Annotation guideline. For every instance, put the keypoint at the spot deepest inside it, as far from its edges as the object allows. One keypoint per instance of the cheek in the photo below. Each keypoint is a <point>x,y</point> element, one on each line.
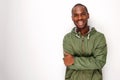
<point>74,19</point>
<point>87,17</point>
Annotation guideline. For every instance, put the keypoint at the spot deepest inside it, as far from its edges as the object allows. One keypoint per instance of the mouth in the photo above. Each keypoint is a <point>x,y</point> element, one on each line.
<point>80,23</point>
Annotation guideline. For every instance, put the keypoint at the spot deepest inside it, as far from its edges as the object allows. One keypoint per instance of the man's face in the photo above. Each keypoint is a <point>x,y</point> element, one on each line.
<point>80,16</point>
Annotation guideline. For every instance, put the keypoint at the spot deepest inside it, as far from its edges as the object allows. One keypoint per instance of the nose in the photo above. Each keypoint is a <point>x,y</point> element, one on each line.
<point>79,17</point>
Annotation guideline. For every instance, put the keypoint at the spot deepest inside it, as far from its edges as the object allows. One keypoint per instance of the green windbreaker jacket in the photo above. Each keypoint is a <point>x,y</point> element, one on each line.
<point>89,53</point>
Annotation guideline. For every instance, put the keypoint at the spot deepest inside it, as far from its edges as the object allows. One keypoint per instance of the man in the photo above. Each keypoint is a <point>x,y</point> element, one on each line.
<point>84,48</point>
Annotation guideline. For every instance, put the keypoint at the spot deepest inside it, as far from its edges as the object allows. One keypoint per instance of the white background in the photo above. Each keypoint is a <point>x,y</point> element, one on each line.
<point>32,31</point>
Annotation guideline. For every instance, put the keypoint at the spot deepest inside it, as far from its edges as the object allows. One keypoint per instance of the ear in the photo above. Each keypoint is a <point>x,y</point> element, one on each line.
<point>72,18</point>
<point>88,15</point>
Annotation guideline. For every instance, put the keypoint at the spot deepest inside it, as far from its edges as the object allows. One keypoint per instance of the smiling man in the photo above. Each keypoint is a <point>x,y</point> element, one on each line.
<point>85,49</point>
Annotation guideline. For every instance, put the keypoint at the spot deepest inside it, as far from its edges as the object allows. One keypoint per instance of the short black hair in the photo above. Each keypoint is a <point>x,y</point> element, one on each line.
<point>79,4</point>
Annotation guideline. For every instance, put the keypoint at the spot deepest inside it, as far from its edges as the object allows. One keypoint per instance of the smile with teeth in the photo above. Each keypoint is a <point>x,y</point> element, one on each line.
<point>80,22</point>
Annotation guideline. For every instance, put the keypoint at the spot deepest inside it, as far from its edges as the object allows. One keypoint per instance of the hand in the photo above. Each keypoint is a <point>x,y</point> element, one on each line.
<point>68,59</point>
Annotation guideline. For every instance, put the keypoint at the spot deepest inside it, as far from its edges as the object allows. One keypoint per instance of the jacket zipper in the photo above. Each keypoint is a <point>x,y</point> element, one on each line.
<point>82,44</point>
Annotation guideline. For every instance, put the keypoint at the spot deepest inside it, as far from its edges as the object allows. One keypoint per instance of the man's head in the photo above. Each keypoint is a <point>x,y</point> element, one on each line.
<point>80,15</point>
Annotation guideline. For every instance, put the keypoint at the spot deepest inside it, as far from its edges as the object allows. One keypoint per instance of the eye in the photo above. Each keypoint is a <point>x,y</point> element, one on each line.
<point>75,15</point>
<point>83,14</point>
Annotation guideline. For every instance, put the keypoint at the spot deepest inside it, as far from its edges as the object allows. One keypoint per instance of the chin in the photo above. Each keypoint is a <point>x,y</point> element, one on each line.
<point>80,27</point>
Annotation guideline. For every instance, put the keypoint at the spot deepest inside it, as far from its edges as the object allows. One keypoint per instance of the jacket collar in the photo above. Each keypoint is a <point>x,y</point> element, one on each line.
<point>88,34</point>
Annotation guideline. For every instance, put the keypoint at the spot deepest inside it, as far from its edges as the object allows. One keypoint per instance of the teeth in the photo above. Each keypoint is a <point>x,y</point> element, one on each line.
<point>80,22</point>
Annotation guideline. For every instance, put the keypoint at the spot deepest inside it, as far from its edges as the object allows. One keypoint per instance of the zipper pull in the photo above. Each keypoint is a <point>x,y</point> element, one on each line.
<point>82,38</point>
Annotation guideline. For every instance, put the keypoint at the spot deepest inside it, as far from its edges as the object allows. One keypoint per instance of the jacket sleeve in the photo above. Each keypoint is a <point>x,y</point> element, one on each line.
<point>97,61</point>
<point>67,47</point>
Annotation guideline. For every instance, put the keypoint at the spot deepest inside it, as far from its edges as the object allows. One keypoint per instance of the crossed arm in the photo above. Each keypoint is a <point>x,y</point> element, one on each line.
<point>97,61</point>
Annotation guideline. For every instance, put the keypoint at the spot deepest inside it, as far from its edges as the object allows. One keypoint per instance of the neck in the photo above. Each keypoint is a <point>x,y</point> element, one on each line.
<point>84,30</point>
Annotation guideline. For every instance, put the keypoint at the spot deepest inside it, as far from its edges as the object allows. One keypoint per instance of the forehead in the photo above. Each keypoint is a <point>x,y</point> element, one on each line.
<point>79,9</point>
